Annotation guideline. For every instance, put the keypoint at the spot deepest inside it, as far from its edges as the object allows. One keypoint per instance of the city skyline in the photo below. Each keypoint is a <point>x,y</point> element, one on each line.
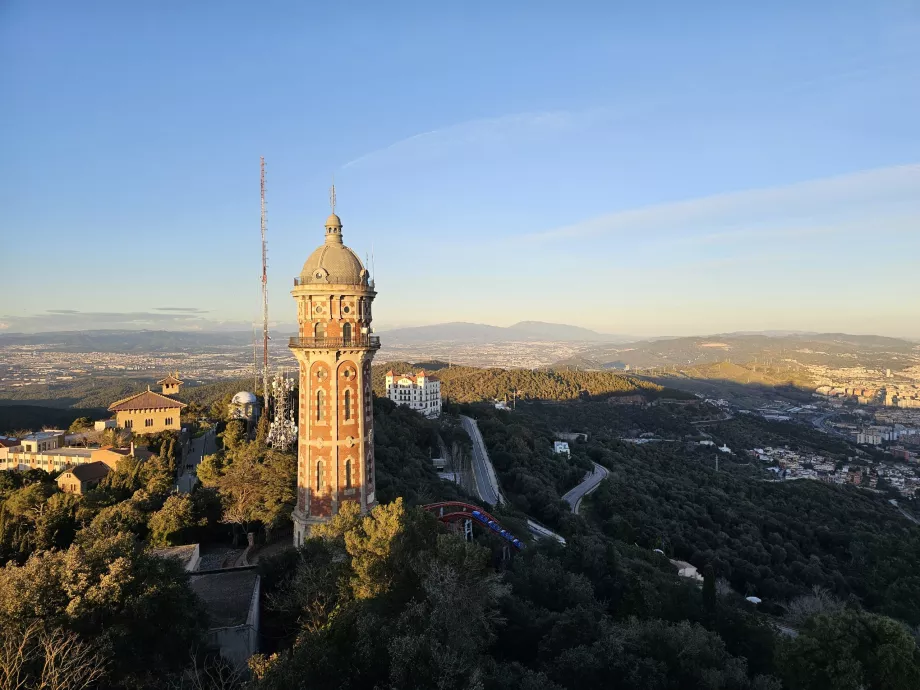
<point>631,179</point>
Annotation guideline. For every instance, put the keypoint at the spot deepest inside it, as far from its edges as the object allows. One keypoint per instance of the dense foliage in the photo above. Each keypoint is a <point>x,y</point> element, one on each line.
<point>470,384</point>
<point>392,600</point>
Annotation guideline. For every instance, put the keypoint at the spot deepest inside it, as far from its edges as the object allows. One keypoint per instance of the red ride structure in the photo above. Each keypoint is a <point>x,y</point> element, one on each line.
<point>467,514</point>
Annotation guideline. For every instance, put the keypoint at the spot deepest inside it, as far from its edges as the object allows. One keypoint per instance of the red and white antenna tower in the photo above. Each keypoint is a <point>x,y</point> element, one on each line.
<point>265,388</point>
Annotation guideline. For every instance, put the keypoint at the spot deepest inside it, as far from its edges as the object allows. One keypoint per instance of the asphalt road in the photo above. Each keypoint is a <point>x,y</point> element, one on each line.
<point>483,472</point>
<point>198,448</point>
<point>588,484</point>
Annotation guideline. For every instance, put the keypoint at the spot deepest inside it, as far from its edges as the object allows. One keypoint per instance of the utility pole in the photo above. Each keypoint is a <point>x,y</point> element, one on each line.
<point>264,291</point>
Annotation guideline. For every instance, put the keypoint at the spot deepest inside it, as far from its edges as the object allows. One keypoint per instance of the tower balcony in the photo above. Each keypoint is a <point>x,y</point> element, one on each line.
<point>365,342</point>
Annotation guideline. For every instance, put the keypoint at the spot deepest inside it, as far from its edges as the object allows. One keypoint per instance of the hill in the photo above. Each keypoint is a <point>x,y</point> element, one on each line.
<point>471,384</point>
<point>827,349</point>
<point>462,332</point>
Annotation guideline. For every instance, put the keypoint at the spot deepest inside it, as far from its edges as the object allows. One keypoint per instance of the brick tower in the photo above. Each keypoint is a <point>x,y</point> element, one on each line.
<point>335,446</point>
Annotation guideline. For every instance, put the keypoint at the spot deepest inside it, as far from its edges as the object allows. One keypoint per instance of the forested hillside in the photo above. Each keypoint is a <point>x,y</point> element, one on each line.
<point>393,600</point>
<point>471,384</point>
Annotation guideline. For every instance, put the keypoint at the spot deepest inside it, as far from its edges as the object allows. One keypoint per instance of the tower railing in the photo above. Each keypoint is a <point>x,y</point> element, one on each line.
<point>368,341</point>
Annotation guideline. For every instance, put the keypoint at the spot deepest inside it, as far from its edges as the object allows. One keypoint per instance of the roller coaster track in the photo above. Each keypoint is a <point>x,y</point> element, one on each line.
<point>455,511</point>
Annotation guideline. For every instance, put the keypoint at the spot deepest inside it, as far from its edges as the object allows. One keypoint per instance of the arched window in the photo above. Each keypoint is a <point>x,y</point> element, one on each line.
<point>319,406</point>
<point>319,330</point>
<point>348,473</point>
<point>319,475</point>
<point>347,405</point>
<point>346,333</point>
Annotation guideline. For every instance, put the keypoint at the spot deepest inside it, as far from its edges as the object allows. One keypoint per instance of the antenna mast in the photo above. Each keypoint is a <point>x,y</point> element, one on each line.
<point>265,389</point>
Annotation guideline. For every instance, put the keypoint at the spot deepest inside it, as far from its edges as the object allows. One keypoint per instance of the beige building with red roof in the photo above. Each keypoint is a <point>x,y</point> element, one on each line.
<point>150,412</point>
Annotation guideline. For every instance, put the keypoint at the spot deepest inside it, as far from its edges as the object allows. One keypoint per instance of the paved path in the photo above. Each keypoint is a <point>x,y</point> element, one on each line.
<point>198,448</point>
<point>910,517</point>
<point>591,481</point>
<point>487,487</point>
<point>483,472</point>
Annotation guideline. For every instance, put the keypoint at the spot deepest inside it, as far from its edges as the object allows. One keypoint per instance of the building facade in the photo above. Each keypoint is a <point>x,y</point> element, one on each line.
<point>82,478</point>
<point>147,413</point>
<point>418,391</point>
<point>334,348</point>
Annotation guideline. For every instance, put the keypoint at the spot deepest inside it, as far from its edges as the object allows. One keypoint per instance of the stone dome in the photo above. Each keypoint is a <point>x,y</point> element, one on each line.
<point>244,398</point>
<point>333,262</point>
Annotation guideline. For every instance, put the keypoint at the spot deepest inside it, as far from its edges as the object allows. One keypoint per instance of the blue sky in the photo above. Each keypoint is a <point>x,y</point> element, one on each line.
<point>642,168</point>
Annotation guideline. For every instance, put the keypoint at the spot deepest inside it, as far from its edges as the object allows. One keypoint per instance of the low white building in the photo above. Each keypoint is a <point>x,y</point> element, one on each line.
<point>418,391</point>
<point>561,448</point>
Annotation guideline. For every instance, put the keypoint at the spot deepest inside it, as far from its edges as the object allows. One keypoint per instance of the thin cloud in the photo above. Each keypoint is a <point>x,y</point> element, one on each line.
<point>483,132</point>
<point>189,310</point>
<point>895,188</point>
<point>62,311</point>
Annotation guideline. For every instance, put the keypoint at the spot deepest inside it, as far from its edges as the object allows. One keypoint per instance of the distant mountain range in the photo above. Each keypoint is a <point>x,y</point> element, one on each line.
<point>529,331</point>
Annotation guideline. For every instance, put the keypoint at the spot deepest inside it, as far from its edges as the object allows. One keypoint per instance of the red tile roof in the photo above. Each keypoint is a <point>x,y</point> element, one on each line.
<point>90,471</point>
<point>168,379</point>
<point>148,400</point>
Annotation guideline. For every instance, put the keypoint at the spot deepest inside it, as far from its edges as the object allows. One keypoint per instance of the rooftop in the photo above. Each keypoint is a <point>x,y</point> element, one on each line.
<point>169,379</point>
<point>42,436</point>
<point>90,471</point>
<point>148,400</point>
<point>227,595</point>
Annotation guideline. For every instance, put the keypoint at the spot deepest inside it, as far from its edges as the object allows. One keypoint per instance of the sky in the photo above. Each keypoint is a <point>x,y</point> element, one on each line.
<point>636,168</point>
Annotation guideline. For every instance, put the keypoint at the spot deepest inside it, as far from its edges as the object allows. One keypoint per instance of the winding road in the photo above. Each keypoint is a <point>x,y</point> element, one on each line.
<point>489,491</point>
<point>591,481</point>
<point>483,472</point>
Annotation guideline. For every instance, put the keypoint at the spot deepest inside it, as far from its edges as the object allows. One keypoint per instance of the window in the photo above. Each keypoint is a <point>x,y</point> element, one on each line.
<point>129,423</point>
<point>319,475</point>
<point>346,333</point>
<point>319,406</point>
<point>348,473</point>
<point>347,405</point>
<point>148,422</point>
<point>320,330</point>
<point>169,421</point>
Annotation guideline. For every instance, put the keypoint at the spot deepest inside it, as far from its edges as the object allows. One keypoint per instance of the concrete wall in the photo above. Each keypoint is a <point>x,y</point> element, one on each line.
<point>238,643</point>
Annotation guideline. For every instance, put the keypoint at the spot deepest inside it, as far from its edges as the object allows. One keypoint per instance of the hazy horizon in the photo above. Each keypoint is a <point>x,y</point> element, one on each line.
<point>703,170</point>
<point>288,328</point>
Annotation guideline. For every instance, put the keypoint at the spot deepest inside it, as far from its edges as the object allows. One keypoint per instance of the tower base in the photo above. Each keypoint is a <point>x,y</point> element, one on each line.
<point>303,526</point>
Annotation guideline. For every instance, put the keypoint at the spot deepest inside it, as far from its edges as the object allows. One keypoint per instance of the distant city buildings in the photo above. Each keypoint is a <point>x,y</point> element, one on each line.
<point>419,392</point>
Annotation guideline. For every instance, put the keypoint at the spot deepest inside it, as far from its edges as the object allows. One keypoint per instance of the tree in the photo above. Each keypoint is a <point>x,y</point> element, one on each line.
<point>278,483</point>
<point>851,650</point>
<point>80,424</point>
<point>134,605</point>
<point>234,434</point>
<point>209,470</point>
<point>48,659</point>
<point>171,524</point>
<point>240,490</point>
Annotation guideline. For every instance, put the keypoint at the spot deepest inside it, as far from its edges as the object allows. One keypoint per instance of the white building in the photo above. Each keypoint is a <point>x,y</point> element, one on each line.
<point>561,448</point>
<point>418,391</point>
<point>244,405</point>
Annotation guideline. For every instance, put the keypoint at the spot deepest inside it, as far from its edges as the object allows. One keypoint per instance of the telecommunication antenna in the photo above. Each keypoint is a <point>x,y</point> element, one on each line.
<point>255,362</point>
<point>265,389</point>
